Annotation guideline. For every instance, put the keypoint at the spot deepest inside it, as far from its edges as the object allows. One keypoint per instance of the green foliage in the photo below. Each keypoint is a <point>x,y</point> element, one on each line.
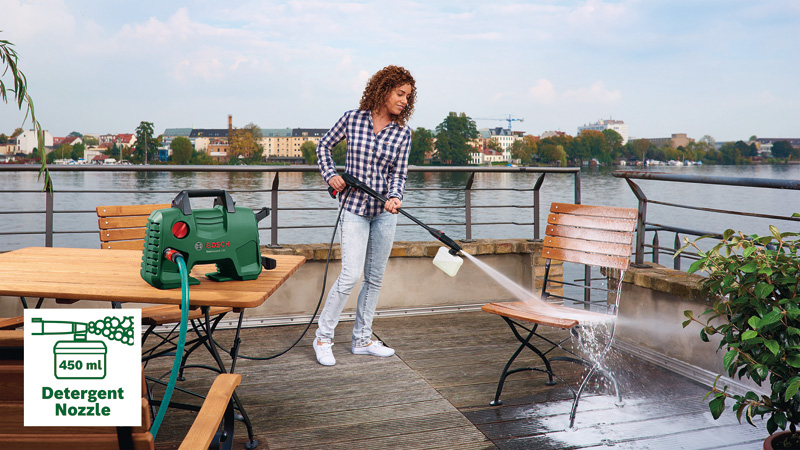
<point>421,145</point>
<point>339,153</point>
<point>524,149</point>
<point>452,139</point>
<point>146,143</point>
<point>19,88</point>
<point>78,150</point>
<point>782,149</point>
<point>3,138</point>
<point>309,152</point>
<point>756,312</point>
<point>181,150</point>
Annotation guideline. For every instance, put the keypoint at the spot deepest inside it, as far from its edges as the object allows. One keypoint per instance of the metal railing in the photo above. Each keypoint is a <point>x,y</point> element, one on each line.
<point>643,226</point>
<point>279,207</point>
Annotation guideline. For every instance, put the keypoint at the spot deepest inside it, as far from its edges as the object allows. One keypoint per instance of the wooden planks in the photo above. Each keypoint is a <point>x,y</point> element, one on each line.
<point>435,392</point>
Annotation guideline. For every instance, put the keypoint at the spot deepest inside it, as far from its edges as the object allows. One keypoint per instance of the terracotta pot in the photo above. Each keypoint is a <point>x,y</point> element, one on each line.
<point>772,437</point>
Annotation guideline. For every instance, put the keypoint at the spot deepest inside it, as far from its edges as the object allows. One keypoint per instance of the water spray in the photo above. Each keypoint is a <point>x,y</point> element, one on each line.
<point>447,260</point>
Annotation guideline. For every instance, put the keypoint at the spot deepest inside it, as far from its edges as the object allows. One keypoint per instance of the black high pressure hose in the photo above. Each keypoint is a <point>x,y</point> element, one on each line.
<point>319,302</point>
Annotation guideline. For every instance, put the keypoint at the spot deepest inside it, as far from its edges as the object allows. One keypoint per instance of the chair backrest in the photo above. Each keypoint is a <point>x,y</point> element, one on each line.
<point>592,235</point>
<point>124,226</point>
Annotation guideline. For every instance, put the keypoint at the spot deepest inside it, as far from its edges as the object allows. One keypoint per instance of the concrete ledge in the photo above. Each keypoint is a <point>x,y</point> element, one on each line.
<point>413,249</point>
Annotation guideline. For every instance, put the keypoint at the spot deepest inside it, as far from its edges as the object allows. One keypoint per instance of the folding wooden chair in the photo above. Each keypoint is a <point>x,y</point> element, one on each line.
<point>124,227</point>
<point>593,236</point>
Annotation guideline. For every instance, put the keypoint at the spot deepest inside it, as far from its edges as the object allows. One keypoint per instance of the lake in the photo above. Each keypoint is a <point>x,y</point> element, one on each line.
<point>597,187</point>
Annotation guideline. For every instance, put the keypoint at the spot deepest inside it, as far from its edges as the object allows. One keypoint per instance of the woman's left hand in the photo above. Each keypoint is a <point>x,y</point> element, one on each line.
<point>392,204</point>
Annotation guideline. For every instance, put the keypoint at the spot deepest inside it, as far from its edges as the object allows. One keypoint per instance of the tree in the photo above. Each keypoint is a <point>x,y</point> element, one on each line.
<point>146,144</point>
<point>89,140</point>
<point>641,148</point>
<point>181,150</point>
<point>64,151</point>
<point>452,139</point>
<point>339,153</point>
<point>552,154</point>
<point>596,145</point>
<point>245,143</point>
<point>10,64</point>
<point>421,145</point>
<point>309,152</point>
<point>3,138</point>
<point>614,140</point>
<point>76,134</point>
<point>524,149</point>
<point>782,149</point>
<point>78,150</point>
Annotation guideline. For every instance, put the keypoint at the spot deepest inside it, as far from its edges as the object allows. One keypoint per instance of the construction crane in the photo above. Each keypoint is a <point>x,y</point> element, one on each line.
<point>508,119</point>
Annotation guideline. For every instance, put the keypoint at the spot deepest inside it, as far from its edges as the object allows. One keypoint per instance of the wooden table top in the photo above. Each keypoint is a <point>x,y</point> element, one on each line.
<point>97,274</point>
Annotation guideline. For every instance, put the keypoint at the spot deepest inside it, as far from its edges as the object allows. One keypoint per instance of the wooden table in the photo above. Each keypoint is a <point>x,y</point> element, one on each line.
<point>97,274</point>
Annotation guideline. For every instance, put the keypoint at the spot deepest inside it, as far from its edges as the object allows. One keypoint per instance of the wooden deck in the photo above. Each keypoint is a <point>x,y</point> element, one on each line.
<point>435,393</point>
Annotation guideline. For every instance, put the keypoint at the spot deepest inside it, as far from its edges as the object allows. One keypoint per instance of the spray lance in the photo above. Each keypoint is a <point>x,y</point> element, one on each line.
<point>447,260</point>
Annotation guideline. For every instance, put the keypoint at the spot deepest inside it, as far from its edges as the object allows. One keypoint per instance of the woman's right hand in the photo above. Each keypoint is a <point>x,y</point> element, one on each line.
<point>337,182</point>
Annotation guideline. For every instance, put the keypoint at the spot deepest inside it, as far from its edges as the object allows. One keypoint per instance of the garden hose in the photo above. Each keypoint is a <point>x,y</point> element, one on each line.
<point>176,257</point>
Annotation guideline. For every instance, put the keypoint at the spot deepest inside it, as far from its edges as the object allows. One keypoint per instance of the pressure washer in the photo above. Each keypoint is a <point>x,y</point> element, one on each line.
<point>226,235</point>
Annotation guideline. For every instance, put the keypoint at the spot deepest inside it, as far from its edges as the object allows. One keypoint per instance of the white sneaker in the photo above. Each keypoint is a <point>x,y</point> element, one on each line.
<point>324,352</point>
<point>374,348</point>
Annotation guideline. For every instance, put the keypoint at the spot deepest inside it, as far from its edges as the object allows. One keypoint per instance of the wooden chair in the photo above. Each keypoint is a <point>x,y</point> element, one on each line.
<point>593,236</point>
<point>213,424</point>
<point>123,227</point>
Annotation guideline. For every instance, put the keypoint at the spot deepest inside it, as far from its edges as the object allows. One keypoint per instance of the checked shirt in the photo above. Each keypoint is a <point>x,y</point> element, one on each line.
<point>380,161</point>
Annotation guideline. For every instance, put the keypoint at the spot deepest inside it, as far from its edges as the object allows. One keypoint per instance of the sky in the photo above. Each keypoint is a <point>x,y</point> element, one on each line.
<point>725,68</point>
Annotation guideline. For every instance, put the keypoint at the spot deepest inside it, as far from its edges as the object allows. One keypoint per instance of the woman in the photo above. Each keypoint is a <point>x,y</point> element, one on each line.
<point>378,144</point>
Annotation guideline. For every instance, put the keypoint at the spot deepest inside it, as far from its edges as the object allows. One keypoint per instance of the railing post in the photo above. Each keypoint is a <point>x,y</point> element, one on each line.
<point>468,206</point>
<point>640,221</point>
<point>578,187</point>
<point>273,227</point>
<point>48,220</point>
<point>537,207</point>
<point>656,244</point>
<point>676,261</point>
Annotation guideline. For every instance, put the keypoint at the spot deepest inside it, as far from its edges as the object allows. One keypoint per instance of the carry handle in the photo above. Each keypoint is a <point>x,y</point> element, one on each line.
<point>181,200</point>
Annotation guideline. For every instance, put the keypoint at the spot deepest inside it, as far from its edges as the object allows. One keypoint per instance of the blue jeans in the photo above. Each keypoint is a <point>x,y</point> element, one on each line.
<point>366,245</point>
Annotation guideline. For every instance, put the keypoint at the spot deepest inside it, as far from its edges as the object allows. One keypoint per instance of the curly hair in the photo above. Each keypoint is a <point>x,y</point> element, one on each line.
<point>380,86</point>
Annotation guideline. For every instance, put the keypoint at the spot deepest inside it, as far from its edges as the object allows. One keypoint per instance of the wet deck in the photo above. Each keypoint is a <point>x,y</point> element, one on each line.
<point>435,393</point>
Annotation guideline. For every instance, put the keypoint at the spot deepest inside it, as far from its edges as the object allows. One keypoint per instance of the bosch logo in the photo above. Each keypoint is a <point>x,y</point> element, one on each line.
<point>198,246</point>
<point>220,244</point>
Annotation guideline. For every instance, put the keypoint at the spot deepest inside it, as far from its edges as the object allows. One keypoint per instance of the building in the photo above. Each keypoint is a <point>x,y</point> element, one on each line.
<point>284,143</point>
<point>276,142</point>
<point>487,156</point>
<point>675,141</point>
<point>171,133</point>
<point>610,124</point>
<point>202,137</point>
<point>218,150</point>
<point>27,141</point>
<point>503,136</point>
<point>125,140</point>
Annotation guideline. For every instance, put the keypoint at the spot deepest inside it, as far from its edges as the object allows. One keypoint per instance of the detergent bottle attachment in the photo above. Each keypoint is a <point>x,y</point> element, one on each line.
<point>448,262</point>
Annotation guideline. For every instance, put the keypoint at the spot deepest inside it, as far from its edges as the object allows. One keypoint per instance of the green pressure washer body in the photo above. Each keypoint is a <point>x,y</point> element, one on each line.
<point>225,235</point>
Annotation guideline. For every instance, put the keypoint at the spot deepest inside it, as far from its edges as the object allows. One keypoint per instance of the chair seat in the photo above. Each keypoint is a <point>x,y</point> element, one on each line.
<point>544,313</point>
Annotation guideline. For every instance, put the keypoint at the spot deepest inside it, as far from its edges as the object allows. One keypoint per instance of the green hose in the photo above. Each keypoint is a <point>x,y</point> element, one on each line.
<point>179,350</point>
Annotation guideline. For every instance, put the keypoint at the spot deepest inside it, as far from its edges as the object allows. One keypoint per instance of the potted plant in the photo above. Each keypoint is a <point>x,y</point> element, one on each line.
<point>753,282</point>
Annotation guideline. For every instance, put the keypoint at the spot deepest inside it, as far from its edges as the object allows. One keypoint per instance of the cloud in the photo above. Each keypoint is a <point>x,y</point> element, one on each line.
<point>543,91</point>
<point>597,11</point>
<point>596,93</point>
